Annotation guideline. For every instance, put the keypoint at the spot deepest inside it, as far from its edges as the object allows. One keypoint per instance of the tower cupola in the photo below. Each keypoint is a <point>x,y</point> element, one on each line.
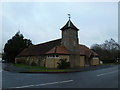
<point>69,35</point>
<point>69,24</point>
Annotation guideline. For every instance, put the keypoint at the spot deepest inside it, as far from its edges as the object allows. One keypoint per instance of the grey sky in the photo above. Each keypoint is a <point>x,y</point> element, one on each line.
<point>41,22</point>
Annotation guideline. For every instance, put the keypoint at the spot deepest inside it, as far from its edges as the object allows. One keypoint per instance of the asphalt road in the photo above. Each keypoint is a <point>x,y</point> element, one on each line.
<point>102,78</point>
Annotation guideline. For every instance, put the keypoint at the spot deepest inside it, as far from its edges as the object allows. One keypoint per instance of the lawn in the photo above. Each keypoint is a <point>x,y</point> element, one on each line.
<point>39,69</point>
<point>29,67</point>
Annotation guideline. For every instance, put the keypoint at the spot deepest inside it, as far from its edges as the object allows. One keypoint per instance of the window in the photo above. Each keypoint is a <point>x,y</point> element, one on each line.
<point>53,56</point>
<point>49,56</point>
<point>57,55</point>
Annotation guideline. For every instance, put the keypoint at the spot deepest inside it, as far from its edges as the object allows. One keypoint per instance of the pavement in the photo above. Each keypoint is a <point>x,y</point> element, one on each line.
<point>101,77</point>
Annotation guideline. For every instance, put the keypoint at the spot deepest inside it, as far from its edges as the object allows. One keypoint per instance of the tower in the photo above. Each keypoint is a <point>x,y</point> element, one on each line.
<point>71,42</point>
<point>69,35</point>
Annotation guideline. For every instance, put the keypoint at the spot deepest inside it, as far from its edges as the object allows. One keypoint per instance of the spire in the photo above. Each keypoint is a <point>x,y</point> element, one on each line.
<point>69,24</point>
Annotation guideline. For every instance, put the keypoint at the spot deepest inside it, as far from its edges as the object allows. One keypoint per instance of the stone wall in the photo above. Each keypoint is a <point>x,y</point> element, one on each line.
<point>95,61</point>
<point>31,60</point>
<point>82,61</point>
<point>69,38</point>
<point>51,62</point>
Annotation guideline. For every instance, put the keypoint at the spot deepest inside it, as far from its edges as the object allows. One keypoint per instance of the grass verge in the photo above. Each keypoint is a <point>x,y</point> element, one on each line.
<point>39,69</point>
<point>28,66</point>
<point>49,70</point>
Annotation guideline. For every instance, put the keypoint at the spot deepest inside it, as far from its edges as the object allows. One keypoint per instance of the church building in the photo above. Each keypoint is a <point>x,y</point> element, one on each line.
<point>67,47</point>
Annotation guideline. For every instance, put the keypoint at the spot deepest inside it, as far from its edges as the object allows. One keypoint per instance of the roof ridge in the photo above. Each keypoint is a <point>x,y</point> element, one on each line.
<point>47,42</point>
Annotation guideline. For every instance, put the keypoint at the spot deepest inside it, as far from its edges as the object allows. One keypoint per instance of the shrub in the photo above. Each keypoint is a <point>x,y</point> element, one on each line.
<point>63,64</point>
<point>33,64</point>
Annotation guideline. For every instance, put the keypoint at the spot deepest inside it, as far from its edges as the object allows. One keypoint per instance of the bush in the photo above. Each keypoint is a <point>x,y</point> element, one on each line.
<point>109,61</point>
<point>33,64</point>
<point>63,64</point>
<point>19,62</point>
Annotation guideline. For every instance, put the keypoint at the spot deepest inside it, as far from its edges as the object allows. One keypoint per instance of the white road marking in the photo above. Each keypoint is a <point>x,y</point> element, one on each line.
<point>44,84</point>
<point>107,73</point>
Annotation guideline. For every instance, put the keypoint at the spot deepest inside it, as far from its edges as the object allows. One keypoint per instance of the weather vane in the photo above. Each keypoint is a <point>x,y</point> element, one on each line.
<point>69,16</point>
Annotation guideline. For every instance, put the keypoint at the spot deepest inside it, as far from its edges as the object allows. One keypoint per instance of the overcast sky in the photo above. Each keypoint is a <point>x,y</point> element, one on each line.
<point>41,22</point>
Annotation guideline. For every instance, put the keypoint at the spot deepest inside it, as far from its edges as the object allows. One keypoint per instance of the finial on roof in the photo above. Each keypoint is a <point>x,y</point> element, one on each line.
<point>69,16</point>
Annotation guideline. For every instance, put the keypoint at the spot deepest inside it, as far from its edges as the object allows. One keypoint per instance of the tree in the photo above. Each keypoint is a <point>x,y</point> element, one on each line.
<point>14,46</point>
<point>109,51</point>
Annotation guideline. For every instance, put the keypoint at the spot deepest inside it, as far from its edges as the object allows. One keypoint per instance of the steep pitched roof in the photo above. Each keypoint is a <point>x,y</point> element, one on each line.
<point>40,49</point>
<point>58,50</point>
<point>69,24</point>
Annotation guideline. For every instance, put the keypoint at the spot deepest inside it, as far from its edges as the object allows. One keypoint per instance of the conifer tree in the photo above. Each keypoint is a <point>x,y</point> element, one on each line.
<point>14,46</point>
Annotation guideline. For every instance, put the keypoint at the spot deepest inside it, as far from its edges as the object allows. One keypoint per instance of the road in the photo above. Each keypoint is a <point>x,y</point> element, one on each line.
<point>102,78</point>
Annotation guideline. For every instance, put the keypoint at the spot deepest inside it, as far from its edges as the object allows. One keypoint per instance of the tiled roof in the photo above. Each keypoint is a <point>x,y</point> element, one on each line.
<point>54,47</point>
<point>40,49</point>
<point>84,50</point>
<point>58,50</point>
<point>69,24</point>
